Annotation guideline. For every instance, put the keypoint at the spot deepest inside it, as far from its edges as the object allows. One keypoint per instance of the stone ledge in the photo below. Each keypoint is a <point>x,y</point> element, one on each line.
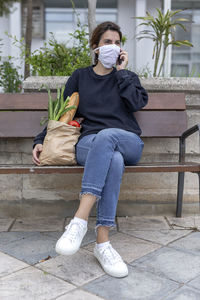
<point>61,209</point>
<point>156,84</point>
<point>172,84</point>
<point>34,83</point>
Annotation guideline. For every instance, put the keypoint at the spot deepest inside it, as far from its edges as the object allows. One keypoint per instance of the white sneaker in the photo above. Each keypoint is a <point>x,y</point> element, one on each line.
<point>111,261</point>
<point>69,243</point>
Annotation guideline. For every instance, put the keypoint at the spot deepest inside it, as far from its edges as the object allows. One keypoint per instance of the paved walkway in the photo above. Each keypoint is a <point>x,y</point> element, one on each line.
<point>162,253</point>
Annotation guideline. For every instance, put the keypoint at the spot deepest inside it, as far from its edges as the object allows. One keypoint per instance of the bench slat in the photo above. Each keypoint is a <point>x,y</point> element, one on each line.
<point>20,123</point>
<point>140,168</point>
<point>39,101</point>
<point>162,123</point>
<point>166,101</point>
<point>25,101</point>
<point>153,123</point>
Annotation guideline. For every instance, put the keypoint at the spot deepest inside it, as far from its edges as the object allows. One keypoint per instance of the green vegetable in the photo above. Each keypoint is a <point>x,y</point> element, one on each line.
<point>57,107</point>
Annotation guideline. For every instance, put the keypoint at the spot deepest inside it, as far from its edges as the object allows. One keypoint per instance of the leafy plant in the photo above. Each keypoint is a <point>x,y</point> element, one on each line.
<point>162,32</point>
<point>58,59</point>
<point>10,79</point>
<point>56,107</point>
<point>5,6</point>
<point>144,72</point>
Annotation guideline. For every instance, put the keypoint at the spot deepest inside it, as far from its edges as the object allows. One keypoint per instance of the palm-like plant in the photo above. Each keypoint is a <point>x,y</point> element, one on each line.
<point>162,32</point>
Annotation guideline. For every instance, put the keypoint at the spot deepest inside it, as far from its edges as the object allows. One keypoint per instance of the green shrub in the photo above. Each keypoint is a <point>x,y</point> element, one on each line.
<point>10,79</point>
<point>56,59</point>
<point>59,59</point>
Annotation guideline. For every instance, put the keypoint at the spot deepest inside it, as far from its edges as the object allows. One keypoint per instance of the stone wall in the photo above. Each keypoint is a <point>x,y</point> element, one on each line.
<point>43,195</point>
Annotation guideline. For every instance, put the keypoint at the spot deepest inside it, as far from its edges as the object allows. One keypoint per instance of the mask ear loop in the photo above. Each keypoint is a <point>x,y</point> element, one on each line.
<point>96,49</point>
<point>94,55</point>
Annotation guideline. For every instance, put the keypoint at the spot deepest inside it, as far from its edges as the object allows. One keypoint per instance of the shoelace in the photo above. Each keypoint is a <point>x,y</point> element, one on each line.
<point>110,255</point>
<point>73,230</point>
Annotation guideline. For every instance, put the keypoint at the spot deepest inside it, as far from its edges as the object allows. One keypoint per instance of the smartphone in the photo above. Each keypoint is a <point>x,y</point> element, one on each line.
<point>119,60</point>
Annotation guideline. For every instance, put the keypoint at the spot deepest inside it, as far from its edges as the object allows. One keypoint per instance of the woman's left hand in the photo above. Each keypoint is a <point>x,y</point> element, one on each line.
<point>124,60</point>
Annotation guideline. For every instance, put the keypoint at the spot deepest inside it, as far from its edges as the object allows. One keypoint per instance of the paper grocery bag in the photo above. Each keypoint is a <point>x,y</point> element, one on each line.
<point>59,144</point>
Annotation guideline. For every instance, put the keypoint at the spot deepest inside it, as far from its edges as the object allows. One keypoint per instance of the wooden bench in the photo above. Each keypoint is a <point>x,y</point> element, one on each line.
<point>163,117</point>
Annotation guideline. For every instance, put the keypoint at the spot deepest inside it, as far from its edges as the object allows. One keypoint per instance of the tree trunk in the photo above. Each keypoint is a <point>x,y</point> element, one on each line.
<point>28,38</point>
<point>91,19</point>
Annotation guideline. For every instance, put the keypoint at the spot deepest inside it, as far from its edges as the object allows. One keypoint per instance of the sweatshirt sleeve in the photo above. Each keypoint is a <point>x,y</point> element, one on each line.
<point>70,87</point>
<point>131,91</point>
<point>39,139</point>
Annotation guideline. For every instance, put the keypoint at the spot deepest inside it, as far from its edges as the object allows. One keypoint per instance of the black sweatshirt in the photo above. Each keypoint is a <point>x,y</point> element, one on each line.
<point>107,101</point>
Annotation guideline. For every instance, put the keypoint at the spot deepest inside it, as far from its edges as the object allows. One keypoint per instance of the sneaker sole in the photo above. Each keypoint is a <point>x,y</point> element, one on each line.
<point>66,252</point>
<point>60,251</point>
<point>110,273</point>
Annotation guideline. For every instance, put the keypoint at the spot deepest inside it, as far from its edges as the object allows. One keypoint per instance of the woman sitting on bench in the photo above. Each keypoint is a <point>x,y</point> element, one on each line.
<point>110,139</point>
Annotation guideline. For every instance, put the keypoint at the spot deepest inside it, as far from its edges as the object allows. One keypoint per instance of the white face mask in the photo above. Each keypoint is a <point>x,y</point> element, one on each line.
<point>108,55</point>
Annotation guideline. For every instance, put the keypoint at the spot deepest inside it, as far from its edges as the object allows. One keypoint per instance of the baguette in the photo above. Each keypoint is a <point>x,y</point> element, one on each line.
<point>69,115</point>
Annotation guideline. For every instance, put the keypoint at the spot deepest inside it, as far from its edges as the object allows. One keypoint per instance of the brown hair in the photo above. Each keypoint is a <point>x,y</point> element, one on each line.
<point>99,31</point>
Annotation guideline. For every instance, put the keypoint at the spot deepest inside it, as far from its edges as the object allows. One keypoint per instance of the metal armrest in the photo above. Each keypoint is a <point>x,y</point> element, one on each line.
<point>183,137</point>
<point>190,131</point>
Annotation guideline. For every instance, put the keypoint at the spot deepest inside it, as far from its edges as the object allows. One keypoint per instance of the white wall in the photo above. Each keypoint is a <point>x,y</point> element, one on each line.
<point>12,25</point>
<point>140,52</point>
<point>140,45</point>
<point>15,27</point>
<point>4,26</point>
<point>151,8</point>
<point>144,47</point>
<point>126,12</point>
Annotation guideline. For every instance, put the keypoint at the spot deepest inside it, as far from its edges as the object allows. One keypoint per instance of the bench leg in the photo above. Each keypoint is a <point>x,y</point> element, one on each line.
<point>180,194</point>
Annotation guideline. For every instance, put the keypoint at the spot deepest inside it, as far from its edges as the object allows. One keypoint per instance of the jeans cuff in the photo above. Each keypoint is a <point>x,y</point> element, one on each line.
<point>109,224</point>
<point>89,193</point>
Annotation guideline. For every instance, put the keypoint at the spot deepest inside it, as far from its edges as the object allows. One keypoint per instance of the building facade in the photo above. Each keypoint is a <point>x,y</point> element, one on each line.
<point>58,16</point>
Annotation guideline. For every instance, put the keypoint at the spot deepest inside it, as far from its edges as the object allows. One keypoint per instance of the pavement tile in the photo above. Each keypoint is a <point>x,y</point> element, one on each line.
<point>91,235</point>
<point>91,222</point>
<point>32,284</point>
<point>38,224</point>
<point>185,222</point>
<point>129,247</point>
<point>190,243</point>
<point>78,295</point>
<point>195,283</point>
<point>163,236</point>
<point>8,237</point>
<point>31,249</point>
<point>53,234</point>
<point>78,269</point>
<point>88,238</point>
<point>5,224</point>
<point>142,223</point>
<point>138,285</point>
<point>184,293</point>
<point>170,263</point>
<point>9,264</point>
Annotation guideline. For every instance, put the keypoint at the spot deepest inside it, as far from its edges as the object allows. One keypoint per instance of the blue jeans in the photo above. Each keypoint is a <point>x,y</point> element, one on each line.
<point>104,156</point>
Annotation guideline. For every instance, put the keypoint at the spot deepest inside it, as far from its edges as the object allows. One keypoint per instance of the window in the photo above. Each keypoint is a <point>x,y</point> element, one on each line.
<point>59,21</point>
<point>60,18</point>
<point>186,60</point>
<point>37,19</point>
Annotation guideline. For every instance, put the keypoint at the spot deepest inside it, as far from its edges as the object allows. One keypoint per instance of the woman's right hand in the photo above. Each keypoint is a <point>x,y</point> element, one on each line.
<point>36,153</point>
